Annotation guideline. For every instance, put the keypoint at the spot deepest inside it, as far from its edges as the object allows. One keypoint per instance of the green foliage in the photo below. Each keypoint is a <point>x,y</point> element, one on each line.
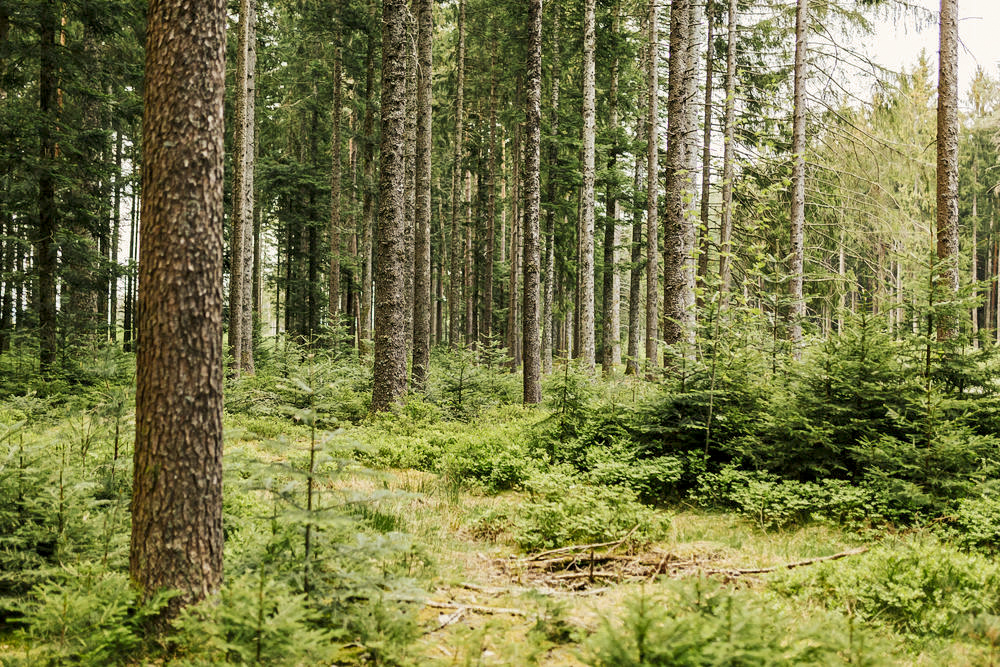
<point>84,614</point>
<point>700,624</point>
<point>975,523</point>
<point>254,620</point>
<point>562,509</point>
<point>917,586</point>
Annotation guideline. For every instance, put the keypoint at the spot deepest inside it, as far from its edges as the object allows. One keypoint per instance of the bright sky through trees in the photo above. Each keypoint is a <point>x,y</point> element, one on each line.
<point>899,41</point>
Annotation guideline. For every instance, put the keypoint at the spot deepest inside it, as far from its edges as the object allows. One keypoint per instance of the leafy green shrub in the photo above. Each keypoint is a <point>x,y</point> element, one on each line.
<point>976,523</point>
<point>651,479</point>
<point>563,509</point>
<point>775,503</point>
<point>698,624</point>
<point>918,587</point>
<point>491,463</point>
<point>254,620</point>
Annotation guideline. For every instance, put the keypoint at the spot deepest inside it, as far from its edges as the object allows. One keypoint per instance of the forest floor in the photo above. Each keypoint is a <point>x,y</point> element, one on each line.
<point>455,533</point>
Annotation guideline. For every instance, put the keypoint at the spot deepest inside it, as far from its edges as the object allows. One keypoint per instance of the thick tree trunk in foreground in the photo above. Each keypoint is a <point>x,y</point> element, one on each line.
<point>389,376</point>
<point>177,498</point>
<point>532,201</point>
<point>422,211</point>
<point>947,164</point>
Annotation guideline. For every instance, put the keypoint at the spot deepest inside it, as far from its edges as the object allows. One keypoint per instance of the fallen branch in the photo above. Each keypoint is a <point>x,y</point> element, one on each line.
<point>474,608</point>
<point>789,566</point>
<point>582,547</point>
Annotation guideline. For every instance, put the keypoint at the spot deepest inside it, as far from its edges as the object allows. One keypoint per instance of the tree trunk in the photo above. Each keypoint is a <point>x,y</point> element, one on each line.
<point>726,231</point>
<point>335,148</point>
<point>410,202</point>
<point>455,282</point>
<point>679,236</point>
<point>177,498</point>
<point>513,336</point>
<point>798,213</point>
<point>652,269</point>
<point>249,161</point>
<point>389,375</point>
<point>45,239</point>
<point>422,212</point>
<point>486,329</point>
<point>586,291</point>
<point>706,156</point>
<point>635,271</point>
<point>947,166</point>
<point>550,215</point>
<point>532,203</point>
<point>611,350</point>
<point>368,205</point>
<point>974,251</point>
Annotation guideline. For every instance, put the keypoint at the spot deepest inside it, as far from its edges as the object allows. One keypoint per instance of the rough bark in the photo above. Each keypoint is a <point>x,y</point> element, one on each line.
<point>335,178</point>
<point>635,264</point>
<point>486,330</point>
<point>798,214</point>
<point>455,282</point>
<point>389,374</point>
<point>550,215</point>
<point>410,203</point>
<point>368,204</point>
<point>45,241</point>
<point>947,165</point>
<point>726,230</point>
<point>611,349</point>
<point>652,269</point>
<point>586,292</point>
<point>422,212</point>
<point>704,237</point>
<point>679,235</point>
<point>532,202</point>
<point>177,499</point>
<point>250,160</point>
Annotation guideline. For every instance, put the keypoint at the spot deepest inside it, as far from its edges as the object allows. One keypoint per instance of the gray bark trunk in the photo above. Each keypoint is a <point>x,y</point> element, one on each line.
<point>389,372</point>
<point>532,202</point>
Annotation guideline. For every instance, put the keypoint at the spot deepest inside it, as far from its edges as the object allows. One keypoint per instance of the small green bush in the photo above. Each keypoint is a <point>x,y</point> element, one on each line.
<point>562,509</point>
<point>918,587</point>
<point>700,624</point>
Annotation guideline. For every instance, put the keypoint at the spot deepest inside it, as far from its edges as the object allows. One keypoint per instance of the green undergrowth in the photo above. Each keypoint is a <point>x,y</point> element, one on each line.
<point>339,525</point>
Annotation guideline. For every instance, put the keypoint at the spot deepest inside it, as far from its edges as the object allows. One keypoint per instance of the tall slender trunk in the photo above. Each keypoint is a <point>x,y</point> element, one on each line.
<point>45,241</point>
<point>532,204</point>
<point>389,374</point>
<point>335,214</point>
<point>974,251</point>
<point>635,264</point>
<point>550,215</point>
<point>679,234</point>
<point>798,213</point>
<point>422,316</point>
<point>704,242</point>
<point>455,282</point>
<point>368,206</point>
<point>726,227</point>
<point>486,329</point>
<point>250,161</point>
<point>652,268</point>
<point>611,349</point>
<point>410,202</point>
<point>513,335</point>
<point>586,288</point>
